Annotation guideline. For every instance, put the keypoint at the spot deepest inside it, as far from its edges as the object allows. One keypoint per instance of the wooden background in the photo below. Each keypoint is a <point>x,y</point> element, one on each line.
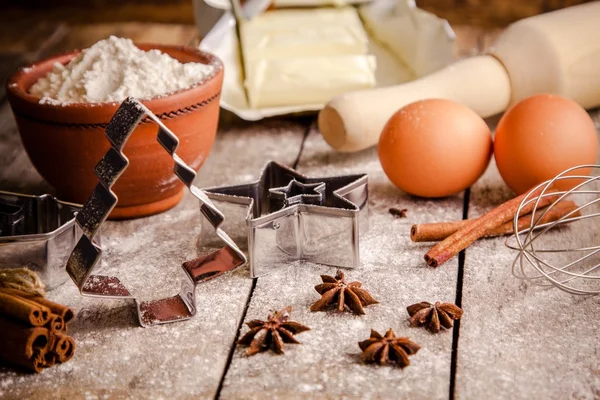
<point>487,13</point>
<point>514,341</point>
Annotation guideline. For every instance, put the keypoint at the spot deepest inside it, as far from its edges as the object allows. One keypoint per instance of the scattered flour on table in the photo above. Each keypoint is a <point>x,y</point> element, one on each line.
<point>114,69</point>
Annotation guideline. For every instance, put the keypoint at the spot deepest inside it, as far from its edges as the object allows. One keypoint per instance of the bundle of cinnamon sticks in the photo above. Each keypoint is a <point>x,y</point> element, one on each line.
<point>456,236</point>
<point>33,330</point>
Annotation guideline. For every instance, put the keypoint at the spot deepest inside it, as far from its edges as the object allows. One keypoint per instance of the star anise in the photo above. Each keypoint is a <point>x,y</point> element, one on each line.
<point>346,295</point>
<point>272,333</point>
<point>398,213</point>
<point>433,316</point>
<point>387,349</point>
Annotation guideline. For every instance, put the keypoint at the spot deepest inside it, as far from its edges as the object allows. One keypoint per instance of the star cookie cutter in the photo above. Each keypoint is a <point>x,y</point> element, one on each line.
<point>37,232</point>
<point>87,252</point>
<point>288,216</point>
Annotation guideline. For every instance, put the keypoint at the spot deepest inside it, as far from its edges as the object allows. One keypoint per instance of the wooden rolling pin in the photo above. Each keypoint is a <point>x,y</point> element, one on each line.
<point>557,52</point>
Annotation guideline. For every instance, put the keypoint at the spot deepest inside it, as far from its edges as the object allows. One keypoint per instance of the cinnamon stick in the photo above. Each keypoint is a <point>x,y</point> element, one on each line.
<point>63,347</point>
<point>23,309</point>
<point>49,360</point>
<point>56,324</point>
<point>23,345</point>
<point>65,312</point>
<point>433,232</point>
<point>461,239</point>
<point>38,361</point>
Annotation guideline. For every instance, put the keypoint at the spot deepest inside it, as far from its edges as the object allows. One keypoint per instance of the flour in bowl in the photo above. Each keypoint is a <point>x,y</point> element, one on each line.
<point>114,69</point>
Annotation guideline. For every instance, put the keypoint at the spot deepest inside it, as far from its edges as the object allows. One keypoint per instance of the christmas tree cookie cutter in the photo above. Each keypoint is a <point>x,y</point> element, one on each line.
<point>286,216</point>
<point>87,253</point>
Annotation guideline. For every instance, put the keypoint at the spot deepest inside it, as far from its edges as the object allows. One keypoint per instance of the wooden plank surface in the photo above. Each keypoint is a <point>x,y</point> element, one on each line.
<point>239,153</point>
<point>21,37</point>
<point>327,364</point>
<point>115,357</point>
<point>516,339</point>
<point>16,172</point>
<point>519,342</point>
<point>81,36</point>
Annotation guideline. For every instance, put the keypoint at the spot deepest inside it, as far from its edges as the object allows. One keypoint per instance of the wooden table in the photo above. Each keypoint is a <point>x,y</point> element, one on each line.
<point>514,341</point>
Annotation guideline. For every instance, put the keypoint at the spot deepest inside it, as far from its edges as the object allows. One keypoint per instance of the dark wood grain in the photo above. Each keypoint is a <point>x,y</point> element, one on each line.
<point>81,36</point>
<point>486,13</point>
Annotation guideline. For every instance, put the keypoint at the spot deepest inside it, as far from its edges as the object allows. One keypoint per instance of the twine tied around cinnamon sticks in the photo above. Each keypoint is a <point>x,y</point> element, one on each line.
<point>22,279</point>
<point>33,329</point>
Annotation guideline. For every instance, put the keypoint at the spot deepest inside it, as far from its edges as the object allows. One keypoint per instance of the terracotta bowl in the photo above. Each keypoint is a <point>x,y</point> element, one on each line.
<point>64,142</point>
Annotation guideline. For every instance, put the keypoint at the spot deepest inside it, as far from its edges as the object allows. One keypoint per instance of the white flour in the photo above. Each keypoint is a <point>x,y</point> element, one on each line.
<point>113,69</point>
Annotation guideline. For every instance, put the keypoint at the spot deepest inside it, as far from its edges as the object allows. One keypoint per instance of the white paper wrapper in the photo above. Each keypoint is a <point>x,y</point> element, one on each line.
<point>415,43</point>
<point>225,4</point>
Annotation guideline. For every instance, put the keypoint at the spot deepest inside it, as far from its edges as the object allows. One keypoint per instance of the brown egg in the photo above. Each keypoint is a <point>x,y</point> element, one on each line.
<point>435,148</point>
<point>540,137</point>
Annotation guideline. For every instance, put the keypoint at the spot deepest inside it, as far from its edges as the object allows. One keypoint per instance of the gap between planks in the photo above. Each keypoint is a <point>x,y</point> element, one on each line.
<point>64,37</point>
<point>458,301</point>
<point>470,41</point>
<point>308,128</point>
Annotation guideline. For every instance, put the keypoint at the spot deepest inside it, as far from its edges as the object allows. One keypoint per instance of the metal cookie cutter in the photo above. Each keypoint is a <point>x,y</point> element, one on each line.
<point>87,253</point>
<point>38,232</point>
<point>286,215</point>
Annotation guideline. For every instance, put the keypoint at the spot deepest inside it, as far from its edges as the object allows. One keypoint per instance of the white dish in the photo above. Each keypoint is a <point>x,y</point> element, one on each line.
<point>428,41</point>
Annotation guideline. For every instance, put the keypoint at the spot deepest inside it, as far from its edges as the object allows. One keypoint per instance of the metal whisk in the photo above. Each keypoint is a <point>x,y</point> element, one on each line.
<point>568,258</point>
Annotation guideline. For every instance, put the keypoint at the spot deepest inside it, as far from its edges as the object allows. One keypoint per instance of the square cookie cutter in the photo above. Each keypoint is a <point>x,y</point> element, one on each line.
<point>37,232</point>
<point>87,253</point>
<point>286,216</point>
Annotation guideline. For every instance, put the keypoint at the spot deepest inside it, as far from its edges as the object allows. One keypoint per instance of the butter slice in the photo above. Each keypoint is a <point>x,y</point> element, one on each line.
<point>305,56</point>
<point>307,80</point>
